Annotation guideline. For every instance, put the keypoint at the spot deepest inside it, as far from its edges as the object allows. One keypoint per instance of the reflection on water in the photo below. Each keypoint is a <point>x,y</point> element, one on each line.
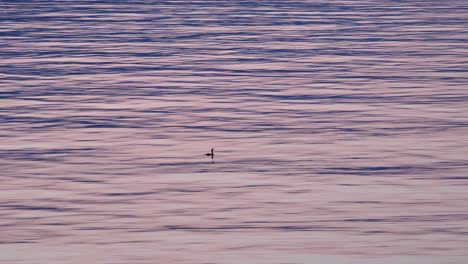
<point>339,128</point>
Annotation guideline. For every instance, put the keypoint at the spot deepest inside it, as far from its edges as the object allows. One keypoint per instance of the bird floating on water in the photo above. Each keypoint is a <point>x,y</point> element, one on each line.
<point>210,154</point>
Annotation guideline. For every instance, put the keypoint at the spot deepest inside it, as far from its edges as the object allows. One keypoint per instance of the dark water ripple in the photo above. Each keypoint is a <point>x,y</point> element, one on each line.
<point>339,127</point>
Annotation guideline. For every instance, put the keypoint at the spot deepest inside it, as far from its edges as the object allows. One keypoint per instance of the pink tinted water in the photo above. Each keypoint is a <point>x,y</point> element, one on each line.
<point>339,128</point>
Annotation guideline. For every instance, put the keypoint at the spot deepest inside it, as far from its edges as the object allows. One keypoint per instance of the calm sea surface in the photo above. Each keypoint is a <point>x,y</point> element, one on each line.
<point>340,131</point>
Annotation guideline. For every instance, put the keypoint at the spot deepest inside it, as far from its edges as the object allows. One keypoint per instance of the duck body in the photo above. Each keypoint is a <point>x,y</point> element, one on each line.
<point>210,154</point>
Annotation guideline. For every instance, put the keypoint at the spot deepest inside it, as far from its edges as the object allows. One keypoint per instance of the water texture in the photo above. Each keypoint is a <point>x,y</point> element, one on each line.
<point>340,131</point>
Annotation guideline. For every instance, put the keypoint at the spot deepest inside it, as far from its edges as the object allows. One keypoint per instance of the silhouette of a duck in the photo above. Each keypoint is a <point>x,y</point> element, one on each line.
<point>210,154</point>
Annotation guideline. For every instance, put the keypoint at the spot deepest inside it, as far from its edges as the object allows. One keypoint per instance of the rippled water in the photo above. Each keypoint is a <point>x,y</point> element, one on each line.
<point>340,131</point>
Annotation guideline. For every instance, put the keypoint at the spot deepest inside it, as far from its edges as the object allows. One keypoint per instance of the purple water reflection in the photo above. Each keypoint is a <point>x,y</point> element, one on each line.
<point>340,131</point>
